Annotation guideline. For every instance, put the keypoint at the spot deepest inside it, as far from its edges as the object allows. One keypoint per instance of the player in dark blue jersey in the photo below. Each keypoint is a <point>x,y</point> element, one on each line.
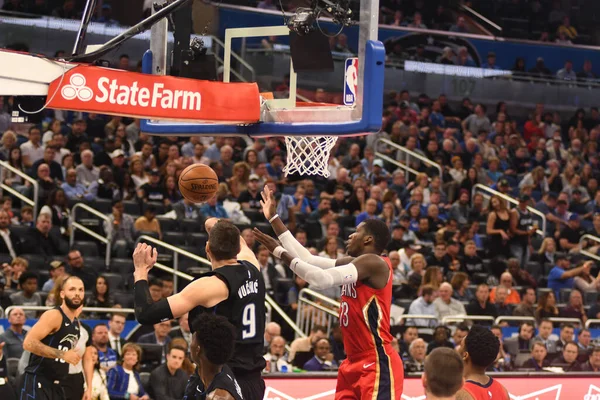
<point>212,346</point>
<point>234,289</point>
<point>51,342</point>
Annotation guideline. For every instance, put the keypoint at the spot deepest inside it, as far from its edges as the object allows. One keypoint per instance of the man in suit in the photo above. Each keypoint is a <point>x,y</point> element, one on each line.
<point>15,334</point>
<point>543,336</point>
<point>159,336</point>
<point>185,209</point>
<point>567,334</point>
<point>10,243</point>
<point>183,331</point>
<point>568,359</point>
<point>522,342</point>
<point>116,324</point>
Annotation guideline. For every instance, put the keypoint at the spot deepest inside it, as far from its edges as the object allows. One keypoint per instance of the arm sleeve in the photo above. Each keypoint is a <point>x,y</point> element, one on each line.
<point>294,247</point>
<point>321,279</point>
<point>146,310</point>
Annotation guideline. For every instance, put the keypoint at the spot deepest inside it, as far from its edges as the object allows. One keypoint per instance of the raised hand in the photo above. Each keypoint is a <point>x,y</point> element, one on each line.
<point>144,257</point>
<point>265,240</point>
<point>268,203</point>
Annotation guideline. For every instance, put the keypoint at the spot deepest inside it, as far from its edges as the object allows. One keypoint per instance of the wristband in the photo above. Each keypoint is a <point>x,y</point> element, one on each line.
<point>273,218</point>
<point>278,252</point>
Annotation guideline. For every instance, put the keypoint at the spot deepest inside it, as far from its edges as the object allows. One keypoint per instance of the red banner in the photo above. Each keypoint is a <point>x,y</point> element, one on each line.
<point>110,91</point>
<point>532,388</point>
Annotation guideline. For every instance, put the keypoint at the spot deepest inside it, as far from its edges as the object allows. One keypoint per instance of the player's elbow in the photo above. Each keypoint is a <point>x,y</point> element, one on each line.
<point>144,317</point>
<point>27,344</point>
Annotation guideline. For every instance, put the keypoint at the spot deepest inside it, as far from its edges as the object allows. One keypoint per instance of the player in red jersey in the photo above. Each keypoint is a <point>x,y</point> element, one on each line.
<point>479,350</point>
<point>373,370</point>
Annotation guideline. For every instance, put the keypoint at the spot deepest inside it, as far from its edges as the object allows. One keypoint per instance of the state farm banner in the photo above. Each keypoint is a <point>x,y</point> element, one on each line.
<point>531,388</point>
<point>110,91</point>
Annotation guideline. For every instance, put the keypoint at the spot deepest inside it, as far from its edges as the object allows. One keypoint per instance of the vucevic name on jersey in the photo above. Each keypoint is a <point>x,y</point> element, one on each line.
<point>64,339</point>
<point>244,309</point>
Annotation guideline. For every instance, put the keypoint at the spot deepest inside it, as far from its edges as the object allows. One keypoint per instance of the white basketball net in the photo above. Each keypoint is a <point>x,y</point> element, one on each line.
<point>308,155</point>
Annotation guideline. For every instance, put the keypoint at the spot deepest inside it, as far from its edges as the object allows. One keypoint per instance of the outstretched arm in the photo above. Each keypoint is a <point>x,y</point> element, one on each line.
<point>369,268</point>
<point>288,240</point>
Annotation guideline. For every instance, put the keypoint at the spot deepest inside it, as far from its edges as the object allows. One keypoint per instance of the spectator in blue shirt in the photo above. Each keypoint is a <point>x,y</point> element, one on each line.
<point>369,213</point>
<point>491,61</point>
<point>323,359</point>
<point>213,209</point>
<point>275,168</point>
<point>74,190</point>
<point>561,277</point>
<point>119,377</point>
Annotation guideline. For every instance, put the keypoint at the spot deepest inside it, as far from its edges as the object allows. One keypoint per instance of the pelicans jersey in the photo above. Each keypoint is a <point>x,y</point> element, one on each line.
<point>491,391</point>
<point>373,369</point>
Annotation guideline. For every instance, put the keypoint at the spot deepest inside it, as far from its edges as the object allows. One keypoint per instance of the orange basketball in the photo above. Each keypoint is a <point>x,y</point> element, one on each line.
<point>198,183</point>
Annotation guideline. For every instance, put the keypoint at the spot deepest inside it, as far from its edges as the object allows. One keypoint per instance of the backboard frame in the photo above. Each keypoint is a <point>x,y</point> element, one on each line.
<point>280,117</point>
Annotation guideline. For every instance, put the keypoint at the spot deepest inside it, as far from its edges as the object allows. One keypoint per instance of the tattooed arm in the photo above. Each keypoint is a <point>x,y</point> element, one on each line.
<point>48,323</point>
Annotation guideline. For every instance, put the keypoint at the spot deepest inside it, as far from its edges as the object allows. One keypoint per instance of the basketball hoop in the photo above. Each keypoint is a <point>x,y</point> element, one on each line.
<point>308,155</point>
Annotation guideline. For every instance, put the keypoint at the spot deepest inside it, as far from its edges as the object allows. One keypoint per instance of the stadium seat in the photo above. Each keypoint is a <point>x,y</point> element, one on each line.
<point>102,205</point>
<point>168,224</point>
<point>43,295</point>
<point>132,208</point>
<point>5,258</point>
<point>159,207</point>
<point>254,215</point>
<point>591,297</point>
<point>264,227</point>
<point>480,277</point>
<point>115,280</point>
<point>145,379</point>
<point>19,230</point>
<point>191,225</point>
<point>12,365</point>
<point>97,264</point>
<point>87,248</point>
<point>123,298</point>
<point>198,239</point>
<point>36,262</point>
<point>123,266</point>
<point>174,238</point>
<point>564,295</point>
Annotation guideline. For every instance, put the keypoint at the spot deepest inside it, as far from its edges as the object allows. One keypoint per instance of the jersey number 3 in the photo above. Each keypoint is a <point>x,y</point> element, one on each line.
<point>249,321</point>
<point>344,314</point>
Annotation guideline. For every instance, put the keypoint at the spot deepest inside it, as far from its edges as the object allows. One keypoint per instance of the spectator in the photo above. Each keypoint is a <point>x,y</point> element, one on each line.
<point>101,297</point>
<point>75,191</point>
<point>567,29</point>
<point>76,268</point>
<point>15,334</point>
<point>567,73</point>
<point>445,305</point>
<point>526,308</point>
<point>120,229</point>
<point>567,335</point>
<point>97,389</point>
<point>14,159</point>
<point>272,329</point>
<point>116,325</point>
<point>276,356</point>
<point>522,227</point>
<point>491,64</point>
<point>424,306</point>
<point>148,222</point>
<point>323,358</point>
<point>58,208</point>
<point>168,381</point>
<point>520,276</point>
<point>107,357</point>
<point>13,272</point>
<point>460,284</point>
<point>250,198</point>
<point>540,70</point>
<point>33,149</point>
<point>48,159</point>
<point>57,271</point>
<point>546,307</point>
<point>40,240</point>
<point>460,333</point>
<point>584,282</point>
<point>586,74</point>
<point>584,338</point>
<point>593,364</point>
<point>575,307</point>
<point>212,209</point>
<point>471,262</point>
<point>441,336</point>
<point>512,296</point>
<point>87,172</point>
<point>522,342</point>
<point>480,305</point>
<point>417,351</point>
<point>570,235</point>
<point>305,344</point>
<point>45,184</point>
<point>568,359</point>
<point>544,332</point>
<point>460,26</point>
<point>546,254</point>
<point>27,296</point>
<point>124,379</point>
<point>498,228</point>
<point>410,334</point>
<point>478,121</point>
<point>561,277</point>
<point>10,243</point>
<point>538,361</point>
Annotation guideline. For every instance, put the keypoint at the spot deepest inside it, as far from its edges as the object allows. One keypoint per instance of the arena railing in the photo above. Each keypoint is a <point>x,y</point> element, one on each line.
<point>402,317</point>
<point>403,151</point>
<point>36,189</point>
<point>76,225</point>
<point>588,253</point>
<point>219,46</point>
<point>575,321</point>
<point>511,200</point>
<point>461,318</point>
<point>498,320</point>
<point>309,302</point>
<point>270,304</point>
<point>591,321</point>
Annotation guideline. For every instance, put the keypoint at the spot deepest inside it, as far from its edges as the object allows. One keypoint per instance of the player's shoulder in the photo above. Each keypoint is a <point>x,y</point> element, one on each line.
<point>462,394</point>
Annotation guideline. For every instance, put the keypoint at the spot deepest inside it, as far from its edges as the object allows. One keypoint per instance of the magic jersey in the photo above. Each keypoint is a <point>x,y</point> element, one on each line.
<point>65,338</point>
<point>224,380</point>
<point>365,316</point>
<point>491,391</point>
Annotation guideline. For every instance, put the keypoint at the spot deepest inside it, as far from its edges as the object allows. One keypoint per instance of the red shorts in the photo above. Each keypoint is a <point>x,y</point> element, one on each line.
<point>371,376</point>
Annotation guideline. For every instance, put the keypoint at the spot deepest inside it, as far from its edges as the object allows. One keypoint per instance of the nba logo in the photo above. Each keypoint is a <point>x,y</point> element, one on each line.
<point>351,81</point>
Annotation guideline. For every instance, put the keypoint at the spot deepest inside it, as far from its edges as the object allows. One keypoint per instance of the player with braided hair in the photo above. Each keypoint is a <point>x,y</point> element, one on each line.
<point>479,350</point>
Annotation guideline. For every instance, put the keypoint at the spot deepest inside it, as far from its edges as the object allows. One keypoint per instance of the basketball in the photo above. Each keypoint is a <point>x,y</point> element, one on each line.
<point>198,183</point>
